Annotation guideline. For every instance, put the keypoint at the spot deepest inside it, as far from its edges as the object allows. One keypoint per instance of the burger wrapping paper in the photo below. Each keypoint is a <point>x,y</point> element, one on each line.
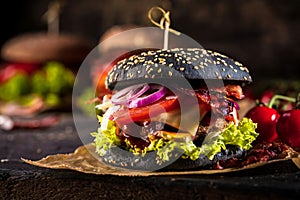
<point>83,161</point>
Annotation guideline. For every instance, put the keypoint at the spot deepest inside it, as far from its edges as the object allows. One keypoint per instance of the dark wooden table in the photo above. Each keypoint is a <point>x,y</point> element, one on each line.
<point>22,181</point>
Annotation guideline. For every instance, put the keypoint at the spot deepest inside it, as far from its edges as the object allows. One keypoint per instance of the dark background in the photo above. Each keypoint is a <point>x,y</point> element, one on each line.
<point>262,34</point>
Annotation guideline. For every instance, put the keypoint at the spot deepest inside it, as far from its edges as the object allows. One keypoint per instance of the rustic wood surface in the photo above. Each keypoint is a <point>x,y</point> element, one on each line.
<point>22,181</point>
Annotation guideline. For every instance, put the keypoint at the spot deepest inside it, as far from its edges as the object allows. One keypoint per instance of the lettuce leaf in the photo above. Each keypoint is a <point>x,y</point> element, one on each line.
<point>241,135</point>
<point>105,138</point>
<point>15,87</point>
<point>53,78</point>
<point>50,83</point>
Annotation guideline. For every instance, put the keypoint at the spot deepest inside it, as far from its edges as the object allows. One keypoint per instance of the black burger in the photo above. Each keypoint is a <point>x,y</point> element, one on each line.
<point>141,120</point>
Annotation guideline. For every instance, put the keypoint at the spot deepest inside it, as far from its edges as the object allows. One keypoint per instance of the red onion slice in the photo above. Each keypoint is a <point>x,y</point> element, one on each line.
<point>236,105</point>
<point>125,95</point>
<point>144,101</point>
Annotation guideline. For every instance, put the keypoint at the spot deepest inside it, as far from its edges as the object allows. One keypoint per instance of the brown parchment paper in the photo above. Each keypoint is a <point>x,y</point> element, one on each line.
<point>83,161</point>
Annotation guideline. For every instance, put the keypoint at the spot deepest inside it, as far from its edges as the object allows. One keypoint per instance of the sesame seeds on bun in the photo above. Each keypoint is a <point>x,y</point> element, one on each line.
<point>191,63</point>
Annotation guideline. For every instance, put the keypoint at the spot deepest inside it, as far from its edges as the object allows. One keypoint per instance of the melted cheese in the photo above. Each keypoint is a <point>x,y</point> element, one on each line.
<point>188,121</point>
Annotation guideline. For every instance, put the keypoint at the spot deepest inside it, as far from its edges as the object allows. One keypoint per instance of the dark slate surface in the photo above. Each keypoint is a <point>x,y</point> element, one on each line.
<point>22,181</point>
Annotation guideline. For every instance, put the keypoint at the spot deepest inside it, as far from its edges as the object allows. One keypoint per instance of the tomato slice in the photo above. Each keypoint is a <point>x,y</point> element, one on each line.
<point>8,70</point>
<point>144,113</point>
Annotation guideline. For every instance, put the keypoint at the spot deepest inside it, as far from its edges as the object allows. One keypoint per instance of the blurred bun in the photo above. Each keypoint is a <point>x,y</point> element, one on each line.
<point>43,47</point>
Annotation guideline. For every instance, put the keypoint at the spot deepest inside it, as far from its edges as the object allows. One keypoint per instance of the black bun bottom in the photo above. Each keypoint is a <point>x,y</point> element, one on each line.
<point>150,162</point>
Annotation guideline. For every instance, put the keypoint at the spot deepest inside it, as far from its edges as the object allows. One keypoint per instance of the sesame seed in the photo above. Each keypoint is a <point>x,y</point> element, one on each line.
<point>170,73</point>
<point>217,73</point>
<point>171,64</point>
<point>181,69</point>
<point>196,67</point>
<point>245,78</point>
<point>235,70</point>
<point>223,69</point>
<point>237,63</point>
<point>159,70</point>
<point>228,76</point>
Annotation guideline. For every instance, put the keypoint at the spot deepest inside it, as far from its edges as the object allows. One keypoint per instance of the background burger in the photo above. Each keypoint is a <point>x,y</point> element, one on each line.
<point>143,118</point>
<point>37,71</point>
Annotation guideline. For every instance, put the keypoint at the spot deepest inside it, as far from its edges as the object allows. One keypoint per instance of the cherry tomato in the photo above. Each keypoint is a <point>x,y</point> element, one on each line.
<point>288,128</point>
<point>266,119</point>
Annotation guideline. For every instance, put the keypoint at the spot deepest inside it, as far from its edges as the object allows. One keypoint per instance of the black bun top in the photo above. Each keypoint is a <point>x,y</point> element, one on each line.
<point>194,64</point>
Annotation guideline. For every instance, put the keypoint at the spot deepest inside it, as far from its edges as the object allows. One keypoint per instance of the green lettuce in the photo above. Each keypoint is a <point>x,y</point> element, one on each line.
<point>105,138</point>
<point>15,87</point>
<point>50,83</point>
<point>54,78</point>
<point>241,135</point>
